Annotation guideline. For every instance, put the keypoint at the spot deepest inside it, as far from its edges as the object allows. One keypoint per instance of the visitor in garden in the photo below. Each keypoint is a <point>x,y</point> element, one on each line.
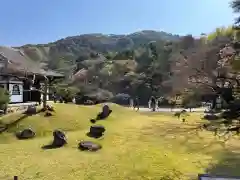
<point>152,103</point>
<point>136,104</point>
<point>131,103</point>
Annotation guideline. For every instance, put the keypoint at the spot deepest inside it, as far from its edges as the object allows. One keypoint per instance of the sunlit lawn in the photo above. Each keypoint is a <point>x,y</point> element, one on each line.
<point>135,146</point>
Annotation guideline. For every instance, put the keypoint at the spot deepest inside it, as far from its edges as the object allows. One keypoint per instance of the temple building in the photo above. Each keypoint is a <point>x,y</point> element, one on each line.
<point>23,78</point>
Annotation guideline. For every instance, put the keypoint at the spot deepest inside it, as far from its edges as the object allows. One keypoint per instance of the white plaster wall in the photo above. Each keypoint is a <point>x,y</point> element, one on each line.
<point>16,98</point>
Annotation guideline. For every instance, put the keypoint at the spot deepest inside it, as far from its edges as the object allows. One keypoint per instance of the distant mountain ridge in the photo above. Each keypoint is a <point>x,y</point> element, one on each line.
<point>64,52</point>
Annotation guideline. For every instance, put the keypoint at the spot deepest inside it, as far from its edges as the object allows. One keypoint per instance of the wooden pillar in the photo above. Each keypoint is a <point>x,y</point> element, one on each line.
<point>45,93</point>
<point>50,83</point>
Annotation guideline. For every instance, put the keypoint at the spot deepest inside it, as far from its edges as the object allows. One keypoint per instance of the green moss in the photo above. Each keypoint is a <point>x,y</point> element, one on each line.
<point>135,146</point>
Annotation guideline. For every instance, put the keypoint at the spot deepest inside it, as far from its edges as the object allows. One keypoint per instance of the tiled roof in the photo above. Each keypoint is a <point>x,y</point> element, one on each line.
<point>19,63</point>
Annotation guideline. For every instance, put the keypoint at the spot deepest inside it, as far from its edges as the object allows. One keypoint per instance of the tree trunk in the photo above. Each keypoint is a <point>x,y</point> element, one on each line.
<point>214,103</point>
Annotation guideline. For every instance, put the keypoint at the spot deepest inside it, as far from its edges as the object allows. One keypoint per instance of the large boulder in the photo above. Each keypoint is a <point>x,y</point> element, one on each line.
<point>26,134</point>
<point>59,138</point>
<point>96,131</point>
<point>89,146</point>
<point>106,111</point>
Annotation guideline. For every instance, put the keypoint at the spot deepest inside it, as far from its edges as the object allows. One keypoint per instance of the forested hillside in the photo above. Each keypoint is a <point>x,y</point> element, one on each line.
<point>140,64</point>
<point>108,63</point>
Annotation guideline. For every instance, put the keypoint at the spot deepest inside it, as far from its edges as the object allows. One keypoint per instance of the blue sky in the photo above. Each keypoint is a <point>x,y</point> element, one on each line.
<point>42,21</point>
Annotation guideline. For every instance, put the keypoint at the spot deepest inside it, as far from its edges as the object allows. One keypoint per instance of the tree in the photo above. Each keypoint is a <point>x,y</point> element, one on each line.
<point>235,4</point>
<point>4,98</point>
<point>65,91</point>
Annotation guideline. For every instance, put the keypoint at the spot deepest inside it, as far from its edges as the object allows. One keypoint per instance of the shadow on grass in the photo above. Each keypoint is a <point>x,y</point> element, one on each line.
<point>50,146</point>
<point>53,145</point>
<point>228,165</point>
<point>96,136</point>
<point>197,140</point>
<point>188,135</point>
<point>5,127</point>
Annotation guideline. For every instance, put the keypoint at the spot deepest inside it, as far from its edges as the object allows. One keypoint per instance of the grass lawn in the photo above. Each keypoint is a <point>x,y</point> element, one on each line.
<point>135,146</point>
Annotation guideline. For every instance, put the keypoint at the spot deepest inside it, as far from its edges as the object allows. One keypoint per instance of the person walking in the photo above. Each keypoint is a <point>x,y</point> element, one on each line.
<point>54,97</point>
<point>149,103</point>
<point>153,103</point>
<point>136,104</point>
<point>131,103</point>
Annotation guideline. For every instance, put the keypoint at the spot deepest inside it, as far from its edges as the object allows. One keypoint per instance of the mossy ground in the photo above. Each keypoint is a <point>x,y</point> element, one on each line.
<point>135,146</point>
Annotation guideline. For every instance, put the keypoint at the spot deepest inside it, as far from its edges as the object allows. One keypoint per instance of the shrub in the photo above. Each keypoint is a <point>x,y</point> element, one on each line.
<point>122,99</point>
<point>97,96</point>
<point>164,102</point>
<point>191,100</point>
<point>67,93</point>
<point>4,98</point>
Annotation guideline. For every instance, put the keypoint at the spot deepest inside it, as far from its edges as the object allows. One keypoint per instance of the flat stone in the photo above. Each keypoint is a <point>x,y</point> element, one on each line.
<point>89,146</point>
<point>97,128</point>
<point>25,134</point>
<point>48,114</point>
<point>96,131</point>
<point>211,117</point>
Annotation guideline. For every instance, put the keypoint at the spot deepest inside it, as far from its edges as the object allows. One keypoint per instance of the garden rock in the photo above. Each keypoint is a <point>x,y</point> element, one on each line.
<point>89,102</point>
<point>25,134</point>
<point>50,108</point>
<point>96,131</point>
<point>59,138</point>
<point>93,121</point>
<point>31,110</point>
<point>177,114</point>
<point>184,111</point>
<point>89,146</point>
<point>106,111</point>
<point>1,112</point>
<point>211,117</point>
<point>60,100</point>
<point>48,114</point>
<point>230,114</point>
<point>3,128</point>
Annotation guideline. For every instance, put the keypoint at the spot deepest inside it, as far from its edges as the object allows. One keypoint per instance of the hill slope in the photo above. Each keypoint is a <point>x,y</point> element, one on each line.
<point>135,146</point>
